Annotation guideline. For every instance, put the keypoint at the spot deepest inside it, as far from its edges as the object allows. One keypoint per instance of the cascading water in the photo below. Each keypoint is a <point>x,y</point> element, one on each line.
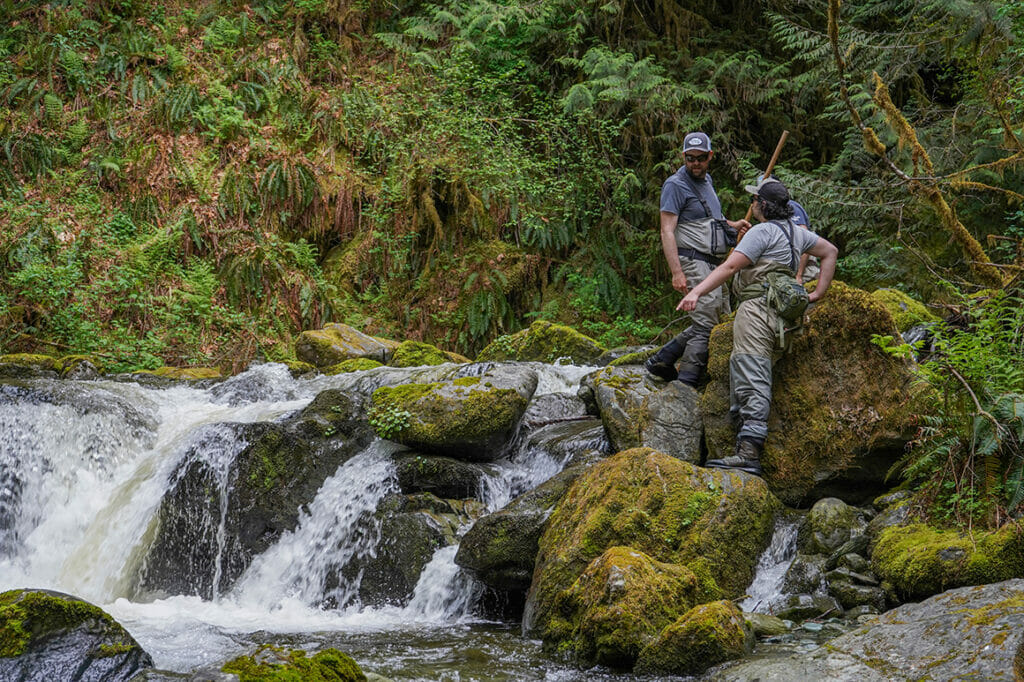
<point>84,467</point>
<point>765,591</point>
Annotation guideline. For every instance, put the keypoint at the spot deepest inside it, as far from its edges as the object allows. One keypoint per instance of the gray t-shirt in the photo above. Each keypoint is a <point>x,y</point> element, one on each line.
<point>678,198</point>
<point>766,241</point>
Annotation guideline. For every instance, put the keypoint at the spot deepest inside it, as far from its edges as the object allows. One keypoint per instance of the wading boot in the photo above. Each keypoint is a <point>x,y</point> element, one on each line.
<point>747,457</point>
<point>663,363</point>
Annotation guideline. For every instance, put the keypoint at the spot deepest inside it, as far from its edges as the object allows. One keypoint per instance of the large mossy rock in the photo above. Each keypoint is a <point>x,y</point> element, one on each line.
<point>337,342</point>
<point>419,354</point>
<point>905,311</point>
<point>472,418</point>
<point>842,409</point>
<point>501,548</point>
<point>971,633</point>
<point>640,411</point>
<point>619,605</point>
<point>273,664</point>
<point>714,522</point>
<point>705,636</point>
<point>919,561</point>
<point>52,636</point>
<point>544,342</point>
<point>278,469</point>
<point>29,366</point>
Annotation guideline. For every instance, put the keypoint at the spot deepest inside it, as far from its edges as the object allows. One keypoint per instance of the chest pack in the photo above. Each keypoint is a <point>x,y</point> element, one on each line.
<point>718,226</point>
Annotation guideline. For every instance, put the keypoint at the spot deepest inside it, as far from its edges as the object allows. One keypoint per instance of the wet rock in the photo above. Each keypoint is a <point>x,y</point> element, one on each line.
<point>706,635</point>
<point>274,663</point>
<point>337,342</point>
<point>620,604</point>
<point>888,500</point>
<point>804,606</point>
<point>442,476</point>
<point>625,355</point>
<point>967,633</point>
<point>842,409</point>
<point>471,418</point>
<point>278,469</point>
<point>805,575</point>
<point>919,561</point>
<point>29,366</point>
<point>638,410</point>
<point>851,594</point>
<point>764,625</point>
<point>714,522</point>
<point>830,524</point>
<point>893,516</point>
<point>578,441</point>
<point>501,548</point>
<point>79,368</point>
<point>554,408</point>
<point>544,341</point>
<point>48,635</point>
<point>854,562</point>
<point>857,545</point>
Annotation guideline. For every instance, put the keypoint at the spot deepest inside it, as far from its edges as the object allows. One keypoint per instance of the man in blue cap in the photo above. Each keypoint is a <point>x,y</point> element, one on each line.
<point>695,237</point>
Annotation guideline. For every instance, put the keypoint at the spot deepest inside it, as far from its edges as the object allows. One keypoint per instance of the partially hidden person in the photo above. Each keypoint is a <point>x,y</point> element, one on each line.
<point>695,237</point>
<point>764,264</point>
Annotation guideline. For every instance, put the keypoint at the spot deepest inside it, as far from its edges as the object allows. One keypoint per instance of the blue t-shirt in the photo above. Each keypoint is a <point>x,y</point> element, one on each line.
<point>678,198</point>
<point>799,214</point>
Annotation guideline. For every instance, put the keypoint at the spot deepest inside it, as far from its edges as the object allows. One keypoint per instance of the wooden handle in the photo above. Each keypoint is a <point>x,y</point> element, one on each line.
<point>771,166</point>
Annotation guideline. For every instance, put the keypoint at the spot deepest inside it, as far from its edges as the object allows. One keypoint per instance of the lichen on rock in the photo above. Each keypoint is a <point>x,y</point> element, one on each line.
<point>544,341</point>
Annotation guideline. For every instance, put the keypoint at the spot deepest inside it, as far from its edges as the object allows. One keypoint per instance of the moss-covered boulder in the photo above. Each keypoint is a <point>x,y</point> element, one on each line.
<point>419,354</point>
<point>501,548</point>
<point>80,367</point>
<point>714,522</point>
<point>273,664</point>
<point>703,637</point>
<point>183,373</point>
<point>471,418</point>
<point>638,410</point>
<point>47,635</point>
<point>842,409</point>
<point>337,342</point>
<point>267,472</point>
<point>355,365</point>
<point>544,342</point>
<point>919,561</point>
<point>28,366</point>
<point>619,604</point>
<point>905,311</point>
<point>830,524</point>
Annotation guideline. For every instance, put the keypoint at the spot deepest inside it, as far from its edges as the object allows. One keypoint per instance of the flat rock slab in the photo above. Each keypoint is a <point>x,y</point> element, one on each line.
<point>970,633</point>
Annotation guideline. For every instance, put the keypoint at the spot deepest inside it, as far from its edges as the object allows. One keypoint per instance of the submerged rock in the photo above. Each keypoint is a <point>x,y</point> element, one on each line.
<point>638,410</point>
<point>842,409</point>
<point>716,523</point>
<point>971,633</point>
<point>47,635</point>
<point>544,342</point>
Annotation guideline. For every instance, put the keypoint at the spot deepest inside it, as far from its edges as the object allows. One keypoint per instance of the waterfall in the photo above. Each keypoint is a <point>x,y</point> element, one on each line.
<point>772,565</point>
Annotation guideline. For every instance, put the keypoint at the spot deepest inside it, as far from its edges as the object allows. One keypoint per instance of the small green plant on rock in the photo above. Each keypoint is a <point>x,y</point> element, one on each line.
<point>388,420</point>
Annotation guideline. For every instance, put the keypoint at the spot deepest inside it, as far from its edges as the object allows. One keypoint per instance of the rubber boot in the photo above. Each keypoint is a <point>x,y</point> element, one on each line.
<point>663,363</point>
<point>746,457</point>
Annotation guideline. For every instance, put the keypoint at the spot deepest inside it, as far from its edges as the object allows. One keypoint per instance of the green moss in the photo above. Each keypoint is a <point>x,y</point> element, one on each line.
<point>43,362</point>
<point>706,635</point>
<point>269,458</point>
<point>110,650</point>
<point>417,354</point>
<point>672,511</point>
<point>26,614</point>
<point>297,368</point>
<point>272,664</point>
<point>543,342</point>
<point>905,311</point>
<point>354,365</point>
<point>637,358</point>
<point>921,561</point>
<point>69,362</point>
<point>184,373</point>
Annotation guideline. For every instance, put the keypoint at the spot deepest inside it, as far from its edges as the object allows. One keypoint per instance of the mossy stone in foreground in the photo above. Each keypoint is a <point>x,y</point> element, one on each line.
<point>44,635</point>
<point>714,522</point>
<point>619,605</point>
<point>905,311</point>
<point>272,664</point>
<point>920,561</point>
<point>705,636</point>
<point>544,342</point>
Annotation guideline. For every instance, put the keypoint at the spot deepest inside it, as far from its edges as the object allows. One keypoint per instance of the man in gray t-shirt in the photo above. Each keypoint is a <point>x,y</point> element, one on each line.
<point>693,239</point>
<point>774,245</point>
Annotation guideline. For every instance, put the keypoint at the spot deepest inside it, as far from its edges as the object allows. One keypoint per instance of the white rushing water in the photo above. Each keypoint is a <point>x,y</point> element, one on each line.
<point>84,467</point>
<point>775,560</point>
